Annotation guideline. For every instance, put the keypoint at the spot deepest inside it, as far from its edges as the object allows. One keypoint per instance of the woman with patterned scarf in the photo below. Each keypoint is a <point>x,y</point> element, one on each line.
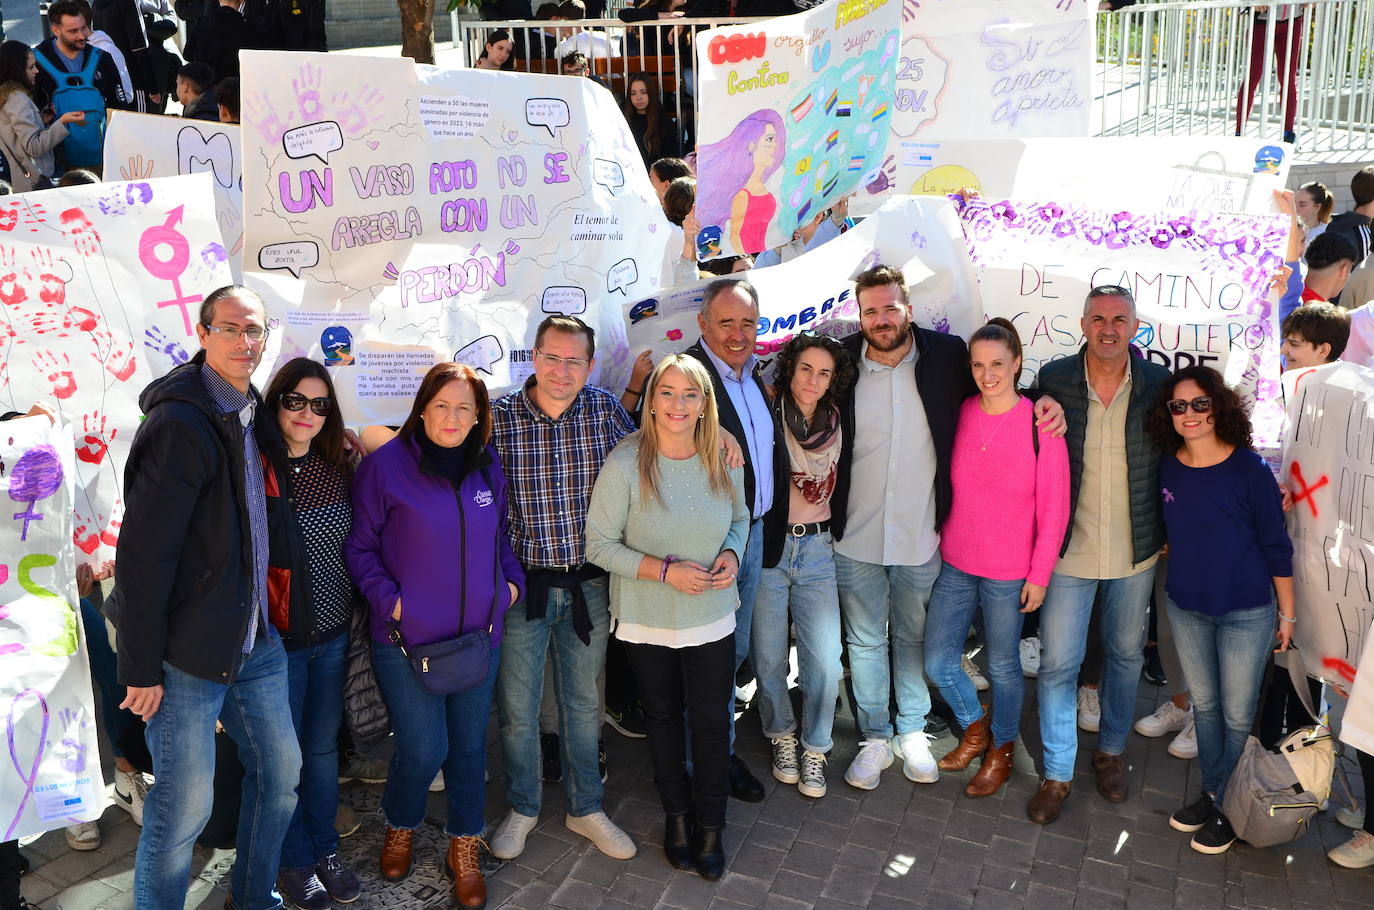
<point>812,371</point>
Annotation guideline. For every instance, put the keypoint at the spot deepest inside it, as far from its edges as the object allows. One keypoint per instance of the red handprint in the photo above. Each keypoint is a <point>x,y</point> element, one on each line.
<point>58,373</point>
<point>117,358</point>
<point>54,272</point>
<point>86,536</point>
<point>95,441</point>
<point>12,293</point>
<point>110,534</point>
<point>79,228</point>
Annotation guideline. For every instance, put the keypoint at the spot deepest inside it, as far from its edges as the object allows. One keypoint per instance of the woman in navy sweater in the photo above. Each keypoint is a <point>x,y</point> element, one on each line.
<point>1230,559</point>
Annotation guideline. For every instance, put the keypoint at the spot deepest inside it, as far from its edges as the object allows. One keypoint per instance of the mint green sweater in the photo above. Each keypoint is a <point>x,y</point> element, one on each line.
<point>694,524</point>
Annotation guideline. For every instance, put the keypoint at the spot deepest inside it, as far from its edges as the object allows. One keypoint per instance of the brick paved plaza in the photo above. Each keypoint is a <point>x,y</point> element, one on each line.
<point>902,845</point>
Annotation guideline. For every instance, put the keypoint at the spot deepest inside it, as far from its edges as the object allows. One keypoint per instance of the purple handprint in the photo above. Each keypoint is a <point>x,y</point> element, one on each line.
<point>158,341</point>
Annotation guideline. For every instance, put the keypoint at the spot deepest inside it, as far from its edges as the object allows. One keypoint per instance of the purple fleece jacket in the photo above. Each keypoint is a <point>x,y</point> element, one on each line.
<point>417,538</point>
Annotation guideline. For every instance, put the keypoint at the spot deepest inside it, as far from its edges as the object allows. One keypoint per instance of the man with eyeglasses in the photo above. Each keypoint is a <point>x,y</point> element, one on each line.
<point>1115,534</point>
<point>553,435</point>
<point>195,643</point>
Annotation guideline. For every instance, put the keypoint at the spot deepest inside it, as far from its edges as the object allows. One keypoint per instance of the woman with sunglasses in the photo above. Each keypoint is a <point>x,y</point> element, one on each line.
<point>1230,562</point>
<point>310,601</point>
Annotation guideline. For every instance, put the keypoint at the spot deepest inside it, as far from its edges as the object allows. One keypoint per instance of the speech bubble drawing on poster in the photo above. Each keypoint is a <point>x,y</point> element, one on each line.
<point>293,257</point>
<point>608,174</point>
<point>623,274</point>
<point>454,116</point>
<point>548,113</point>
<point>567,300</point>
<point>481,354</point>
<point>318,139</point>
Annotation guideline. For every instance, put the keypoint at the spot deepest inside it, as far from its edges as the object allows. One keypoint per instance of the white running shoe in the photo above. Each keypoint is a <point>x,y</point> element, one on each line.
<point>1351,818</point>
<point>130,788</point>
<point>83,836</point>
<point>1185,743</point>
<point>864,772</point>
<point>1089,709</point>
<point>917,762</point>
<point>1356,853</point>
<point>785,759</point>
<point>509,840</point>
<point>603,833</point>
<point>1030,657</point>
<point>1168,717</point>
<point>812,777</point>
<point>980,682</point>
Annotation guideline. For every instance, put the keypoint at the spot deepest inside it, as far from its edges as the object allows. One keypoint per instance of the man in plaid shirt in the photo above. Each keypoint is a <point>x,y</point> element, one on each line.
<point>553,436</point>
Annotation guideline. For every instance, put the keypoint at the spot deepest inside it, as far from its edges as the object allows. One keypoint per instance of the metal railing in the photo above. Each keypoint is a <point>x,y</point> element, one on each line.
<point>1162,68</point>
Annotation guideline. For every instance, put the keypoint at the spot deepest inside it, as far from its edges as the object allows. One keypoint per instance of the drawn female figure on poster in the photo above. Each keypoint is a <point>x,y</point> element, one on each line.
<point>740,166</point>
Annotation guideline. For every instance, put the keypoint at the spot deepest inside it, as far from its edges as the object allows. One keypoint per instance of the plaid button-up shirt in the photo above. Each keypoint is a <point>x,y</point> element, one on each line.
<point>551,466</point>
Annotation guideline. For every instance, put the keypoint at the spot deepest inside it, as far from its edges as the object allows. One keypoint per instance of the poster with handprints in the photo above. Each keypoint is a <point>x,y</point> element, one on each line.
<point>100,291</point>
<point>402,215</point>
<point>139,146</point>
<point>52,776</point>
<point>801,109</point>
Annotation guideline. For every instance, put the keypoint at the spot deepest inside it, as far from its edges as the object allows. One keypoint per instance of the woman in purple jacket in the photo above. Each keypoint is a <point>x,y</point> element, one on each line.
<point>429,550</point>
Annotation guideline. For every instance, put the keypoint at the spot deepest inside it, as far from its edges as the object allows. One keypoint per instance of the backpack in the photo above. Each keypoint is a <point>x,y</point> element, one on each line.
<point>84,145</point>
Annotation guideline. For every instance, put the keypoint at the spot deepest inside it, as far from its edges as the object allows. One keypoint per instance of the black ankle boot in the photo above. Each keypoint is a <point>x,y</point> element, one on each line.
<point>677,839</point>
<point>708,857</point>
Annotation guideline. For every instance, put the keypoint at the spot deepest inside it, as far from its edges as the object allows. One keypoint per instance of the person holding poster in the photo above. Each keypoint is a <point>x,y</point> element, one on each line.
<point>1230,559</point>
<point>195,639</point>
<point>1115,535</point>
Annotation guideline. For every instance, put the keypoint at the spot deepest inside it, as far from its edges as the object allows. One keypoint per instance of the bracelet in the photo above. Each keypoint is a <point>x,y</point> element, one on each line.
<point>634,392</point>
<point>1287,619</point>
<point>663,572</point>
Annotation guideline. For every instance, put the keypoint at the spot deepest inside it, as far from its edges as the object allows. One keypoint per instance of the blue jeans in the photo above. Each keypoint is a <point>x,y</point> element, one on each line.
<point>805,577</point>
<point>882,604</point>
<point>956,598</point>
<point>1064,637</point>
<point>520,684</point>
<point>433,732</point>
<point>105,673</point>
<point>317,679</point>
<point>1223,658</point>
<point>256,714</point>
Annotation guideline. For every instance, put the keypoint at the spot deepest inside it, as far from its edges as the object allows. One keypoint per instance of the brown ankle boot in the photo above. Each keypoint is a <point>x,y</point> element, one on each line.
<point>469,888</point>
<point>397,859</point>
<point>994,772</point>
<point>970,747</point>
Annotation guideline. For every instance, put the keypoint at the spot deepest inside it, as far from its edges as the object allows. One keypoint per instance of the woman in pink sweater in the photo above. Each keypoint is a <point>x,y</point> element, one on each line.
<point>999,544</point>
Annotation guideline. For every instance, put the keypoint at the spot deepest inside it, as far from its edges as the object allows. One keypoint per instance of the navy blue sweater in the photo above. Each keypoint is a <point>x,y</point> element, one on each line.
<point>1227,538</point>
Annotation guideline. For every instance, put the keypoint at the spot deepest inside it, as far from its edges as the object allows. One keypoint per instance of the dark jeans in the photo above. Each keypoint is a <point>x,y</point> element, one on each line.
<point>1367,775</point>
<point>9,874</point>
<point>317,678</point>
<point>696,680</point>
<point>105,675</point>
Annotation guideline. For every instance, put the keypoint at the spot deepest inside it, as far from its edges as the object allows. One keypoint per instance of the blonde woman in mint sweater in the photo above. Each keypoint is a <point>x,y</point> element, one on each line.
<point>999,544</point>
<point>668,520</point>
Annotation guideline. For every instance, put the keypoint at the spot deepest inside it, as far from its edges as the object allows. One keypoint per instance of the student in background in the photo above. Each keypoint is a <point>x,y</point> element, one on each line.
<point>196,93</point>
<point>227,97</point>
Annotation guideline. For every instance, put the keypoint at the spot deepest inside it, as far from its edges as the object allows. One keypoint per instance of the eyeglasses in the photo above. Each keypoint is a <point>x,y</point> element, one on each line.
<point>253,333</point>
<point>1200,405</point>
<point>572,363</point>
<point>295,401</point>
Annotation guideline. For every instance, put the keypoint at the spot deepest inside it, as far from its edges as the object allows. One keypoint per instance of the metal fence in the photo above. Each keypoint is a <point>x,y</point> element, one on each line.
<point>1162,68</point>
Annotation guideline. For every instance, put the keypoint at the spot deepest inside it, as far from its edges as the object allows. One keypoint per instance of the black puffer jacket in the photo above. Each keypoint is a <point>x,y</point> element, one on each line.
<point>366,714</point>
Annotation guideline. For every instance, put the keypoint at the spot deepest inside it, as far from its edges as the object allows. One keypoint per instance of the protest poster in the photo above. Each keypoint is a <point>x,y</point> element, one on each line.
<point>100,291</point>
<point>1328,464</point>
<point>403,215</point>
<point>1200,281</point>
<point>1357,725</point>
<point>53,777</point>
<point>800,113</point>
<point>815,291</point>
<point>139,146</point>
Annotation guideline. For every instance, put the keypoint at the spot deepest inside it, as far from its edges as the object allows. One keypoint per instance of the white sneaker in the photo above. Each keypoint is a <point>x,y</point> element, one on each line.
<point>812,777</point>
<point>1030,657</point>
<point>437,785</point>
<point>980,682</point>
<point>1167,718</point>
<point>130,788</point>
<point>603,833</point>
<point>509,840</point>
<point>1185,743</point>
<point>785,759</point>
<point>1356,853</point>
<point>917,762</point>
<point>864,772</point>
<point>1351,818</point>
<point>83,836</point>
<point>1089,709</point>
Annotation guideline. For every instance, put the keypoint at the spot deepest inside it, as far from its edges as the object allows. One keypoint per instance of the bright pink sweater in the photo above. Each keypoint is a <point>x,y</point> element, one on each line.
<point>1010,509</point>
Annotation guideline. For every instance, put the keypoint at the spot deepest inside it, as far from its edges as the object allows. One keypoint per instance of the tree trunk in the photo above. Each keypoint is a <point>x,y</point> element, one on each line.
<point>417,29</point>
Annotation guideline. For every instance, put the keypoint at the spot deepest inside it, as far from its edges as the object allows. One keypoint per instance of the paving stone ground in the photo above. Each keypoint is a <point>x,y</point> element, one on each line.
<point>902,845</point>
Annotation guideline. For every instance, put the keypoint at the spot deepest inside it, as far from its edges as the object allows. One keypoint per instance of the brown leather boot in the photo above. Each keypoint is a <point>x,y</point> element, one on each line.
<point>397,859</point>
<point>469,888</point>
<point>970,747</point>
<point>994,772</point>
<point>1044,806</point>
<point>1111,776</point>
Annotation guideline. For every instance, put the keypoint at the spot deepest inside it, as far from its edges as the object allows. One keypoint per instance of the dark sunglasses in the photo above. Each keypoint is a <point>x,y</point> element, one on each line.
<point>1200,405</point>
<point>295,401</point>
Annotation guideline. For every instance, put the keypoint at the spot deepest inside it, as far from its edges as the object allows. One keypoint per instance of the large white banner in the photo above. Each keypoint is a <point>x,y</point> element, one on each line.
<point>1328,463</point>
<point>796,113</point>
<point>139,146</point>
<point>52,776</point>
<point>100,290</point>
<point>1201,284</point>
<point>400,215</point>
